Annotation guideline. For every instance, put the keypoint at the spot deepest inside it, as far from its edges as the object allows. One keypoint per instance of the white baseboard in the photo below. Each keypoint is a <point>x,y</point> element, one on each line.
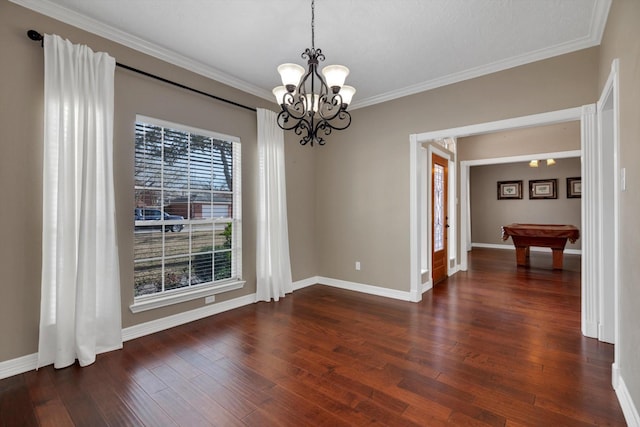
<point>158,325</point>
<point>512,248</point>
<point>615,375</point>
<point>366,289</point>
<point>453,270</point>
<point>590,329</point>
<point>18,365</point>
<point>353,286</point>
<point>427,286</point>
<point>306,282</point>
<point>29,362</point>
<point>629,409</point>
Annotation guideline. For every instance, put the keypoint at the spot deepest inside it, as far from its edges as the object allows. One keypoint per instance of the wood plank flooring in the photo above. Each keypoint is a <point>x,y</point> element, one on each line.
<point>495,346</point>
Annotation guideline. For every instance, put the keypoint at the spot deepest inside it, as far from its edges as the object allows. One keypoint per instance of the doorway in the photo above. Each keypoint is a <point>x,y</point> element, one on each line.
<point>590,262</point>
<point>440,218</point>
<point>594,308</point>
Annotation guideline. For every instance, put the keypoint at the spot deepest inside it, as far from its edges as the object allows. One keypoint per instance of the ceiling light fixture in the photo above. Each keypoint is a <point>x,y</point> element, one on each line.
<point>536,163</point>
<point>313,106</point>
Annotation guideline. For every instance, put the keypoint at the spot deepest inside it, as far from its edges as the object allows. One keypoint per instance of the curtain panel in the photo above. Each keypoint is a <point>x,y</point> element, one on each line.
<point>80,312</point>
<point>273,266</point>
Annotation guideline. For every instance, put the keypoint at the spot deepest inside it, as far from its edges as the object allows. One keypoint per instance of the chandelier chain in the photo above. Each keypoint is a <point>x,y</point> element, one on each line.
<point>313,24</point>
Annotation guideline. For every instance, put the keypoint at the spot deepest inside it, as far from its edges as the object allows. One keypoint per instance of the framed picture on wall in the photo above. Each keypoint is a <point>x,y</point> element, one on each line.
<point>574,187</point>
<point>509,190</point>
<point>543,188</point>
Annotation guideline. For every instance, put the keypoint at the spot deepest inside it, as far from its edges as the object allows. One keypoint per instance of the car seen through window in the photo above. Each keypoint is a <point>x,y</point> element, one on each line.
<point>143,214</point>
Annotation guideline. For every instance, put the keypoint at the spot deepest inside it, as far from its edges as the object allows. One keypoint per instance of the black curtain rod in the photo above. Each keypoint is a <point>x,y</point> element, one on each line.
<point>36,36</point>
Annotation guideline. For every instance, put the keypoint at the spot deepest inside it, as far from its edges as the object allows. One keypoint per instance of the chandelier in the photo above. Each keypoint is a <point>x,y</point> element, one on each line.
<point>311,105</point>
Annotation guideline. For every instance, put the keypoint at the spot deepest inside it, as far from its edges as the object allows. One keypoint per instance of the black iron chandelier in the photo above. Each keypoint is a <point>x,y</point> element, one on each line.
<point>313,106</point>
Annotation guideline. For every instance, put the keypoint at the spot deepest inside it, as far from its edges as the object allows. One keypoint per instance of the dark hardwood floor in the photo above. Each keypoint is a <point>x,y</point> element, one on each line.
<point>497,345</point>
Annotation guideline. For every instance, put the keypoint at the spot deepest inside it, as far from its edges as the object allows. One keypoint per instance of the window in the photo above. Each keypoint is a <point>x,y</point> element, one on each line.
<point>187,210</point>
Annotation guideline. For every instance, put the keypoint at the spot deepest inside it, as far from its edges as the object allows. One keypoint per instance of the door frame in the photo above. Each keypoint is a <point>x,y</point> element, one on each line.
<point>420,219</point>
<point>609,176</point>
<point>591,263</point>
<point>427,265</point>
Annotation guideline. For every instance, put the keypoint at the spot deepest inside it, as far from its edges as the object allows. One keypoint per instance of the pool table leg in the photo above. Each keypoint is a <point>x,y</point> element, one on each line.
<point>522,255</point>
<point>557,258</point>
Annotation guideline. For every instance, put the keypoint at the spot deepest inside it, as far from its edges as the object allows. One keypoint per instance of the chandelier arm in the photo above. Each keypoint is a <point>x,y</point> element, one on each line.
<point>301,128</point>
<point>327,127</point>
<point>341,122</point>
<point>324,89</point>
<point>314,57</point>
<point>317,137</point>
<point>343,116</point>
<point>331,108</point>
<point>294,106</point>
<point>285,121</point>
<point>301,90</point>
<point>323,126</point>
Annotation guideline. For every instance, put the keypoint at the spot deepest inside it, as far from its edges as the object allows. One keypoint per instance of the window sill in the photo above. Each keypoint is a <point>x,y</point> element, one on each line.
<point>150,302</point>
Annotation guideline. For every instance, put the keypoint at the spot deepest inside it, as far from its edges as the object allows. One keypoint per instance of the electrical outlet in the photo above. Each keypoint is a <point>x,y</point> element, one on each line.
<point>210,299</point>
<point>358,265</point>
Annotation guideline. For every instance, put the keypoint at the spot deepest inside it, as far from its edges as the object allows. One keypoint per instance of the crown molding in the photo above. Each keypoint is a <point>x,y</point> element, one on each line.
<point>93,26</point>
<point>599,16</point>
<point>472,73</point>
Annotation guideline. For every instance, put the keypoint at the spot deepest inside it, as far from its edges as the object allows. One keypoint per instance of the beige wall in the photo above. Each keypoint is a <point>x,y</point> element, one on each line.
<point>302,209</point>
<point>21,116</point>
<point>488,214</point>
<point>622,40</point>
<point>363,172</point>
<point>518,142</point>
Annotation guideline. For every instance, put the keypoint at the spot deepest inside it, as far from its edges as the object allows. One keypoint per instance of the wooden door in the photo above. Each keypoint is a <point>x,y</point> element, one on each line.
<point>439,215</point>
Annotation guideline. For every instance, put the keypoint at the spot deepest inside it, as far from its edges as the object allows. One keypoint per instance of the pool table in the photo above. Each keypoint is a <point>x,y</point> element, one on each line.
<point>552,236</point>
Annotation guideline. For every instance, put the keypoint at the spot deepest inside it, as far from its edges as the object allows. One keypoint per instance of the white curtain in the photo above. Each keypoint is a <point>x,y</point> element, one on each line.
<point>80,306</point>
<point>273,267</point>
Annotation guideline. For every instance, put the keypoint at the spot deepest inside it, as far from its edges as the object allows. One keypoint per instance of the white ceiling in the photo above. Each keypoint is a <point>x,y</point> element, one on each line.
<point>392,47</point>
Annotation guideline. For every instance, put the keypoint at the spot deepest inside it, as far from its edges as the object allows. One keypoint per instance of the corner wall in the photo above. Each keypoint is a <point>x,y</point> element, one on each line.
<point>622,40</point>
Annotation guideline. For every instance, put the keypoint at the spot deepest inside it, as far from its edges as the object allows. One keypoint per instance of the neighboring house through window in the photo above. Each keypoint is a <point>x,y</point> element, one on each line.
<point>187,212</point>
